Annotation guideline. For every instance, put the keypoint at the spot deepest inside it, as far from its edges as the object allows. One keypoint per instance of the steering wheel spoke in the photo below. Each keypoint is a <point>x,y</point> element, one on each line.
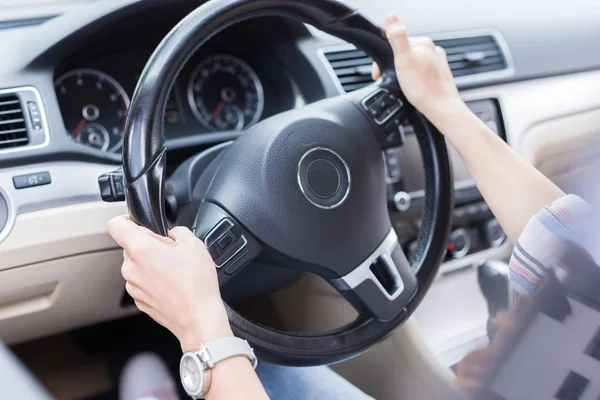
<point>382,284</point>
<point>230,245</point>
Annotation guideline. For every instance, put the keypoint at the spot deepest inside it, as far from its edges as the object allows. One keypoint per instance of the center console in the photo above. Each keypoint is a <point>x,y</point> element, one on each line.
<point>475,229</point>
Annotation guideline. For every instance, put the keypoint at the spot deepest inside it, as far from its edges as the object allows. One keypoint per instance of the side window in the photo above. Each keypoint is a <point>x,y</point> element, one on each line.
<point>593,348</point>
<point>572,387</point>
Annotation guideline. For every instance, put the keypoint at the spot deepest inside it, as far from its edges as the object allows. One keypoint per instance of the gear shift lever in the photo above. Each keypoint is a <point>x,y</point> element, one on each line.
<point>494,283</point>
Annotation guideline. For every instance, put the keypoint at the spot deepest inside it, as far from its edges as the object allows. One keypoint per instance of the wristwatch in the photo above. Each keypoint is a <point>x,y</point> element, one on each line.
<point>195,367</point>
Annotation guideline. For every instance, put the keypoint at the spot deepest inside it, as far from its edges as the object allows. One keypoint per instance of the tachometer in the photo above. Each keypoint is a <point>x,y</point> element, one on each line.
<point>94,108</point>
<point>225,93</point>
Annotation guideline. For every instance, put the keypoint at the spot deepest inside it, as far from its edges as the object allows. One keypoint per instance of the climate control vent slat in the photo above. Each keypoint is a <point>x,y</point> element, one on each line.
<point>13,128</point>
<point>352,67</point>
<point>474,55</point>
<point>469,57</point>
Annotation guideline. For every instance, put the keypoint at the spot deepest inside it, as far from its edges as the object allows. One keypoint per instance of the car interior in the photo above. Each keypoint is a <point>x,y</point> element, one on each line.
<point>230,111</point>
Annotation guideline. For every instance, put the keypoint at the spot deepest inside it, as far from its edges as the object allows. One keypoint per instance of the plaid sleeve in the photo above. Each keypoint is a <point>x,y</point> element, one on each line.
<point>548,237</point>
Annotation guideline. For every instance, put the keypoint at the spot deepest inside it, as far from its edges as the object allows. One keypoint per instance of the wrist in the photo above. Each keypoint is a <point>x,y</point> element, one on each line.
<point>205,327</point>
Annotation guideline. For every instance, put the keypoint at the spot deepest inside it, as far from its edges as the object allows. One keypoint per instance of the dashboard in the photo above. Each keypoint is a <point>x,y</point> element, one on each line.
<point>74,67</point>
<point>215,92</point>
<point>223,89</point>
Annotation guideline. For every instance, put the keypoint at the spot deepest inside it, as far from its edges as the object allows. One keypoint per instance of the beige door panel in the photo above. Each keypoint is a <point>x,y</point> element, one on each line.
<point>55,296</point>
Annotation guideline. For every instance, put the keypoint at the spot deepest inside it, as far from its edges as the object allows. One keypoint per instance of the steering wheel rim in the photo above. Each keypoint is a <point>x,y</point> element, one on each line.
<point>144,158</point>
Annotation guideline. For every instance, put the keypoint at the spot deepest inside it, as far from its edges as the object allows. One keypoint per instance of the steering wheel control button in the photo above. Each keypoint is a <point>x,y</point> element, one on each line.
<point>324,178</point>
<point>32,180</point>
<point>225,242</point>
<point>112,186</point>
<point>382,106</point>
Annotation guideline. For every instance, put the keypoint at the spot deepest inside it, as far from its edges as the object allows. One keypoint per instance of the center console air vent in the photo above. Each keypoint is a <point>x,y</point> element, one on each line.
<point>22,121</point>
<point>473,57</point>
<point>350,66</point>
<point>13,130</point>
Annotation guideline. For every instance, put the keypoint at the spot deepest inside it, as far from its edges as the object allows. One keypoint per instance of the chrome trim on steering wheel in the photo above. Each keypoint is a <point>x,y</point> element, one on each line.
<point>382,254</point>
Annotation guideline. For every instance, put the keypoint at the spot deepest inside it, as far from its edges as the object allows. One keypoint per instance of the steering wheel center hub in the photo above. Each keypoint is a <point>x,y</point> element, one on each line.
<point>324,178</point>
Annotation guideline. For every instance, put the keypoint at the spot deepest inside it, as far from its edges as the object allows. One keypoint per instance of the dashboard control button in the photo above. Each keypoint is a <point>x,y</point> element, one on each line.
<point>32,180</point>
<point>460,212</point>
<point>493,232</point>
<point>402,201</point>
<point>34,114</point>
<point>392,165</point>
<point>459,243</point>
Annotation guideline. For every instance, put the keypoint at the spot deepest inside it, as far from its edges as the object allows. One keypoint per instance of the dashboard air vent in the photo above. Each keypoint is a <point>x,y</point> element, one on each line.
<point>351,66</point>
<point>13,129</point>
<point>473,55</point>
<point>470,57</point>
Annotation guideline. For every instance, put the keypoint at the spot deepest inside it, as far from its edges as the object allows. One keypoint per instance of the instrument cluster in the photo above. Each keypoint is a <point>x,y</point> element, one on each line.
<point>220,92</point>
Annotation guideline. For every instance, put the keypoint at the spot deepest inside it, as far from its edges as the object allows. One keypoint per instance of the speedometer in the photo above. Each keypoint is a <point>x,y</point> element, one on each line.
<point>94,108</point>
<point>225,93</point>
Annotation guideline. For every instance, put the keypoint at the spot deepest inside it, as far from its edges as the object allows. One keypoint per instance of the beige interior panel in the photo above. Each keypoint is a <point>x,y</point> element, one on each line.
<point>406,368</point>
<point>51,297</point>
<point>554,145</point>
<point>59,232</point>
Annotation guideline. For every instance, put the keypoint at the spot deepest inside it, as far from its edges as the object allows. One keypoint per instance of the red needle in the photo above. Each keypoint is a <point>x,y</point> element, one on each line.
<point>217,110</point>
<point>79,127</point>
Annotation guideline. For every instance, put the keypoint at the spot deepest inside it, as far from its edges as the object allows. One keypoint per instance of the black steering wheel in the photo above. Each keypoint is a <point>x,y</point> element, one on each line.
<point>303,189</point>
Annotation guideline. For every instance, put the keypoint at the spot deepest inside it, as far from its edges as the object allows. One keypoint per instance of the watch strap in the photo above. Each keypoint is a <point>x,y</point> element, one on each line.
<point>221,349</point>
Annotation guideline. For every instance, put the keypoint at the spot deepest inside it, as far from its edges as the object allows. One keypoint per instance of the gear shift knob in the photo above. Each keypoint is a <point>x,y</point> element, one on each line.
<point>494,284</point>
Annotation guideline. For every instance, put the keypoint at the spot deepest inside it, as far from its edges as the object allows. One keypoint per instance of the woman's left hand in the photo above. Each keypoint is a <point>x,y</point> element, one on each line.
<point>173,280</point>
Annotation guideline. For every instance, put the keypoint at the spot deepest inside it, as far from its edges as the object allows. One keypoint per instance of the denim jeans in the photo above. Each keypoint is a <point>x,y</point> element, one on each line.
<point>309,383</point>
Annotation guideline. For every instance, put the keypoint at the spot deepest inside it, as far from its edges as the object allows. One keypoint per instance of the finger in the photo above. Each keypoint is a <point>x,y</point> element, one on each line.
<point>138,294</point>
<point>129,271</point>
<point>441,53</point>
<point>422,41</point>
<point>130,235</point>
<point>181,233</point>
<point>375,72</point>
<point>124,231</point>
<point>396,34</point>
<point>143,307</point>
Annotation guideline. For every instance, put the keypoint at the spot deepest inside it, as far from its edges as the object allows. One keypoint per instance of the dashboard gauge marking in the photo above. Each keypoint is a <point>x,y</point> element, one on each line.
<point>94,108</point>
<point>225,93</point>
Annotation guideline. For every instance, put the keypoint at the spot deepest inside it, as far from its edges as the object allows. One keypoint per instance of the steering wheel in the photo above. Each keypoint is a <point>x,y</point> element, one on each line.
<point>304,189</point>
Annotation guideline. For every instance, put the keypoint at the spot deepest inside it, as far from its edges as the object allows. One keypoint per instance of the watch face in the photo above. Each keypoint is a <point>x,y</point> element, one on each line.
<point>191,373</point>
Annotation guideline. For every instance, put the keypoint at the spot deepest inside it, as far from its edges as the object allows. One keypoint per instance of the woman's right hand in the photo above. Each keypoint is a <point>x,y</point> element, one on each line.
<point>422,70</point>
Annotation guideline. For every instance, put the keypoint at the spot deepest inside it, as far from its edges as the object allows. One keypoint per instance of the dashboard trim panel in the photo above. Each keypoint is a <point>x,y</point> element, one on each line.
<point>72,183</point>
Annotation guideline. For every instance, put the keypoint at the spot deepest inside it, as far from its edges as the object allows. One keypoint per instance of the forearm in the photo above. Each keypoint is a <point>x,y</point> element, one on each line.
<point>514,190</point>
